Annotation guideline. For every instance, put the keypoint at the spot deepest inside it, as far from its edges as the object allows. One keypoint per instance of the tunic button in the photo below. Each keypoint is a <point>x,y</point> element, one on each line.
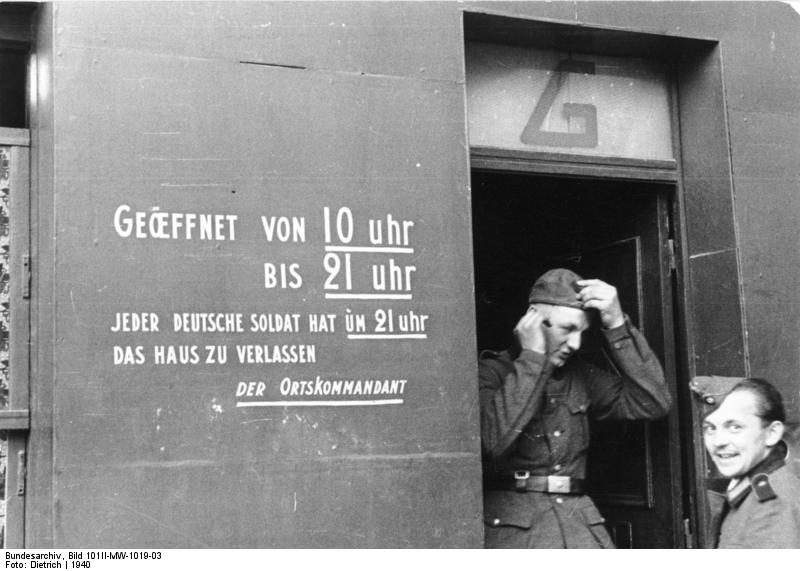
<point>617,345</point>
<point>559,500</point>
<point>552,401</point>
<point>557,433</point>
<point>496,521</point>
<point>557,467</point>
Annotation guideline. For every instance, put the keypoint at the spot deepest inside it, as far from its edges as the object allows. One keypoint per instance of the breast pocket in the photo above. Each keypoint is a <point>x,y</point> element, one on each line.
<point>578,406</point>
<point>578,402</point>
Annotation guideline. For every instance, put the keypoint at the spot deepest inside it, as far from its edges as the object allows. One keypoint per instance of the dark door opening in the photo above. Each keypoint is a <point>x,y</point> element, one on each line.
<point>617,231</point>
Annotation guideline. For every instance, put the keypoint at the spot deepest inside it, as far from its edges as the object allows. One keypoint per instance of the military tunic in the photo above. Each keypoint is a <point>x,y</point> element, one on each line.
<point>762,510</point>
<point>534,417</point>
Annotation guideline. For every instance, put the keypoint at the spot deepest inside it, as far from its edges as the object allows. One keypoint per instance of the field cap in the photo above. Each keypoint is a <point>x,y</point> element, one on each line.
<point>557,287</point>
<point>711,390</point>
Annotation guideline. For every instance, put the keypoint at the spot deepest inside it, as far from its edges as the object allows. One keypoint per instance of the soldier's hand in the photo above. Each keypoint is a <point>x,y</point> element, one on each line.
<point>529,331</point>
<point>601,296</point>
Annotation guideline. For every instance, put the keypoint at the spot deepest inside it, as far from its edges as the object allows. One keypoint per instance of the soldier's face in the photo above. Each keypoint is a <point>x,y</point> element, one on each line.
<point>563,335</point>
<point>736,438</point>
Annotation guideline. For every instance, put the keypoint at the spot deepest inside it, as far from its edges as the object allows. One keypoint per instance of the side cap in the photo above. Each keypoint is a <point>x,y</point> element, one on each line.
<point>711,390</point>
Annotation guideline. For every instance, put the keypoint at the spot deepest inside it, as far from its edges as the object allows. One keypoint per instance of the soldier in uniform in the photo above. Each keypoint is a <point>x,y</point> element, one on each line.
<point>758,504</point>
<point>535,399</point>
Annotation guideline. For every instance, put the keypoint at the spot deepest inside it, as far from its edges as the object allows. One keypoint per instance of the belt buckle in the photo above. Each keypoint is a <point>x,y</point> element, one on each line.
<point>558,485</point>
<point>521,480</point>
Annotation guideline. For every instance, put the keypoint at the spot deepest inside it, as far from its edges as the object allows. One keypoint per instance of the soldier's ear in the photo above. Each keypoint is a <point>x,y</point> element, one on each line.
<point>774,432</point>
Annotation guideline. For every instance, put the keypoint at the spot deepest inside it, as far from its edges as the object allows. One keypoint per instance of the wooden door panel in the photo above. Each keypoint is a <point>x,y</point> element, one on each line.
<point>620,467</point>
<point>626,459</point>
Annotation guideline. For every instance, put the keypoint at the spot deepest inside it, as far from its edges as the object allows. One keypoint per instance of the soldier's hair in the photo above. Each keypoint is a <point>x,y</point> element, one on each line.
<point>769,402</point>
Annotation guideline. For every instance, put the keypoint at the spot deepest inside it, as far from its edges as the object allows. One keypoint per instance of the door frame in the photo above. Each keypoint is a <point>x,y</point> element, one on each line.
<point>708,288</point>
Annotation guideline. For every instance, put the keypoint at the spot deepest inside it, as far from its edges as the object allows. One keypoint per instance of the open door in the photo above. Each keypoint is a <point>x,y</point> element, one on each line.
<point>629,469</point>
<point>618,232</point>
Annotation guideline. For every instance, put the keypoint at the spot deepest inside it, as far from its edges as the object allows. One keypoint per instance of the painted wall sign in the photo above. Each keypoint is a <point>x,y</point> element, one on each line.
<point>362,259</point>
<point>559,102</point>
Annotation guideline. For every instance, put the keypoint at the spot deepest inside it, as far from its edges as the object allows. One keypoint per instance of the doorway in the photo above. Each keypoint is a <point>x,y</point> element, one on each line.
<point>617,231</point>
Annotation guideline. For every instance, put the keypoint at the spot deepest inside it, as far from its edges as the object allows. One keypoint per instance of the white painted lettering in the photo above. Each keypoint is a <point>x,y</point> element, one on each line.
<point>123,226</point>
<point>174,225</point>
<point>284,229</point>
<point>282,276</point>
<point>128,355</point>
<point>134,322</point>
<point>251,389</point>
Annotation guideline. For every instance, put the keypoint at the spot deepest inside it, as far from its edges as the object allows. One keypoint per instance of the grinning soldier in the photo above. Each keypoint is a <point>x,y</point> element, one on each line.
<point>756,503</point>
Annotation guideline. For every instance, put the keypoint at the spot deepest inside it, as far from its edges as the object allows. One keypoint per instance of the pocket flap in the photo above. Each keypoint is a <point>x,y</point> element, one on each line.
<point>578,402</point>
<point>507,508</point>
<point>591,516</point>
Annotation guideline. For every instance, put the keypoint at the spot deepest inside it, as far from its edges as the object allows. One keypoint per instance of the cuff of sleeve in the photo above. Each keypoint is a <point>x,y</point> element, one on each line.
<point>618,333</point>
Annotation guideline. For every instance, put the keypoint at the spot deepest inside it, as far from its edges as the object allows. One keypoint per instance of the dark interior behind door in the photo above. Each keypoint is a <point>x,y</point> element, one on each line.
<point>615,231</point>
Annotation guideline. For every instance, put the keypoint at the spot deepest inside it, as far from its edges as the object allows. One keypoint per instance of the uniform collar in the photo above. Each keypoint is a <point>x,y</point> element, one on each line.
<point>514,351</point>
<point>757,479</point>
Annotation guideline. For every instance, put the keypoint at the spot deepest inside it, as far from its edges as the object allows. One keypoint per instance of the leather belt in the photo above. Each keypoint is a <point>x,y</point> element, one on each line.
<point>522,481</point>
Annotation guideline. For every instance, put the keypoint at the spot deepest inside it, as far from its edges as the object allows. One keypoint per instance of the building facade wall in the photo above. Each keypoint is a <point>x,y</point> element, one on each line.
<point>283,109</point>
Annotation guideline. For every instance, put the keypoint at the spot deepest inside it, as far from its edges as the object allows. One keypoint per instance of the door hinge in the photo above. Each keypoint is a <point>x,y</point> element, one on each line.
<point>688,538</point>
<point>26,276</point>
<point>22,472</point>
<point>671,254</point>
